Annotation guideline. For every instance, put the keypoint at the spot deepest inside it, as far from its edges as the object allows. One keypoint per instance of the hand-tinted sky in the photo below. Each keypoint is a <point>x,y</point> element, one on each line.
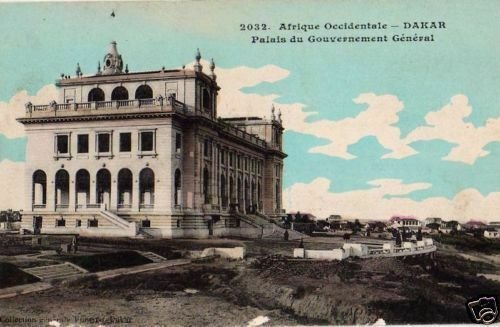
<point>42,40</point>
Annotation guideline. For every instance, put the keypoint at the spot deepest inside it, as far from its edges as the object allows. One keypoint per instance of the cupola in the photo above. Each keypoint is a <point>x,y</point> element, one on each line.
<point>113,63</point>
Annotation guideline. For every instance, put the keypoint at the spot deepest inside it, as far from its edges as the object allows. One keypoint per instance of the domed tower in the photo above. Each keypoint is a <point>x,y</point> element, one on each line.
<point>113,63</point>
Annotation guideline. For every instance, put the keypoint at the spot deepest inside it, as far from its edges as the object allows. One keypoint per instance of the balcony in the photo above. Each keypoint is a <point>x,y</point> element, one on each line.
<point>39,207</point>
<point>124,206</point>
<point>145,207</point>
<point>90,207</point>
<point>116,108</point>
<point>103,108</point>
<point>62,207</point>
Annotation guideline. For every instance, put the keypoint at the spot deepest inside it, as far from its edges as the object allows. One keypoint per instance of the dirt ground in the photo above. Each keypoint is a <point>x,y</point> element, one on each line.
<point>270,284</point>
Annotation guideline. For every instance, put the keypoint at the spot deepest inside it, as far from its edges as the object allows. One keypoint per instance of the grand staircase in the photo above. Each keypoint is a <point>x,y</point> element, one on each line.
<point>270,229</point>
<point>63,270</point>
<point>129,227</point>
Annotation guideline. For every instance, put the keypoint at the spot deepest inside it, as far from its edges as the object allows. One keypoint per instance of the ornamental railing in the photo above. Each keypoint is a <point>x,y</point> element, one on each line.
<point>158,104</point>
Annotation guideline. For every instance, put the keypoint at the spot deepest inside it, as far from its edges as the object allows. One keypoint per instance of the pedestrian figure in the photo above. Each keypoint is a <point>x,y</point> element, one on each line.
<point>74,244</point>
<point>301,245</point>
<point>285,235</point>
<point>398,239</point>
<point>419,234</point>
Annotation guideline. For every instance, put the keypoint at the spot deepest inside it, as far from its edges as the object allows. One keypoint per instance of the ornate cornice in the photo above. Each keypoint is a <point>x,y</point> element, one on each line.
<point>127,116</point>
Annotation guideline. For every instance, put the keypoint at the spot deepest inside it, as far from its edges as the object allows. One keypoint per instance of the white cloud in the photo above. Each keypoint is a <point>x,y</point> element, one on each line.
<point>11,185</point>
<point>448,124</point>
<point>387,198</point>
<point>376,120</point>
<point>13,109</point>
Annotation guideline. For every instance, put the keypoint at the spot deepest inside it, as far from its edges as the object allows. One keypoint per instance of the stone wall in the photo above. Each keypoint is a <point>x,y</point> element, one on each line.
<point>335,254</point>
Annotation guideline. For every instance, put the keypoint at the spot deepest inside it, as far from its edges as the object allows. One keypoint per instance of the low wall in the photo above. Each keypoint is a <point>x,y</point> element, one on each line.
<point>408,245</point>
<point>361,250</point>
<point>335,254</point>
<point>388,247</point>
<point>355,249</point>
<point>228,253</point>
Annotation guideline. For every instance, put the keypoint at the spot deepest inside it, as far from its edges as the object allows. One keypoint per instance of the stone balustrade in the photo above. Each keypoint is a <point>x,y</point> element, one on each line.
<point>361,250</point>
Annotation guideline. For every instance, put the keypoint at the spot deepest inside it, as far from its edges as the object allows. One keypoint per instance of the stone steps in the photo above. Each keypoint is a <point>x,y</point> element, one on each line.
<point>142,234</point>
<point>270,230</point>
<point>62,270</point>
<point>153,256</point>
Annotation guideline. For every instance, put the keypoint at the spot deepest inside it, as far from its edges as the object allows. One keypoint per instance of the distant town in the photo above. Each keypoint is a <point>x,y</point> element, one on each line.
<point>336,225</point>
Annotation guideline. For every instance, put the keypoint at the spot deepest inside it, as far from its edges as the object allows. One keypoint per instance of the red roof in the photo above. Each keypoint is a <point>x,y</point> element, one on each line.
<point>475,222</point>
<point>399,218</point>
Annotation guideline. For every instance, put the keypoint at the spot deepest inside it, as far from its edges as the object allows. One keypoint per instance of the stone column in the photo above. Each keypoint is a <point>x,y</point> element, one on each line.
<point>114,192</point>
<point>93,196</point>
<point>135,193</point>
<point>51,193</point>
<point>72,194</point>
<point>215,173</point>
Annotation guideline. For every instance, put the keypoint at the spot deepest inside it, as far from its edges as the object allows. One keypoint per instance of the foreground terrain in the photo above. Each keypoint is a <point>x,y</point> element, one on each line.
<point>269,283</point>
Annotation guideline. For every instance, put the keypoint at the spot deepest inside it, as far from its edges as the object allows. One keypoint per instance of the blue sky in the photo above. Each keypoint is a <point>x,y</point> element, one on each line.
<point>42,40</point>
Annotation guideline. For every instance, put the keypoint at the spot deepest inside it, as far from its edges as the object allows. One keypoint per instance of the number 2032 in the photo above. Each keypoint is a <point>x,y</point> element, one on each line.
<point>253,27</point>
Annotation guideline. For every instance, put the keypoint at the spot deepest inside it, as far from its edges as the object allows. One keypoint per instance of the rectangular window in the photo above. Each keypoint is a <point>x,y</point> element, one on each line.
<point>60,222</point>
<point>231,159</point>
<point>206,148</point>
<point>93,223</point>
<point>125,142</point>
<point>83,143</point>
<point>62,144</point>
<point>78,223</point>
<point>223,157</point>
<point>147,141</point>
<point>69,95</point>
<point>146,223</point>
<point>178,142</point>
<point>103,142</point>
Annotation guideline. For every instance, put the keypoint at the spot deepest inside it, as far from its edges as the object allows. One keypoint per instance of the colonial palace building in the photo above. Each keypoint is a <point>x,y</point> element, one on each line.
<point>124,153</point>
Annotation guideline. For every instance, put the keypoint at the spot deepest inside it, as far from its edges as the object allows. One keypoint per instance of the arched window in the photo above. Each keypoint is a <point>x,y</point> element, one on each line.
<point>239,191</point>
<point>177,187</point>
<point>119,93</point>
<point>206,185</point>
<point>82,187</point>
<point>146,188</point>
<point>259,196</point>
<point>247,194</point>
<point>39,195</point>
<point>232,199</point>
<point>62,188</point>
<point>278,195</point>
<point>103,187</point>
<point>124,188</point>
<point>207,100</point>
<point>144,92</point>
<point>223,192</point>
<point>254,194</point>
<point>96,94</point>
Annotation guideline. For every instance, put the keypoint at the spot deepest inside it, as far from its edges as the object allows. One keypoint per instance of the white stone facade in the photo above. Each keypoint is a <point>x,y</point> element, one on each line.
<point>124,153</point>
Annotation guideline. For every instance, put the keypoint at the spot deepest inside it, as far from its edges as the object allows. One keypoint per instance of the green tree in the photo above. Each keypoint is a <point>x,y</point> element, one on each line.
<point>433,226</point>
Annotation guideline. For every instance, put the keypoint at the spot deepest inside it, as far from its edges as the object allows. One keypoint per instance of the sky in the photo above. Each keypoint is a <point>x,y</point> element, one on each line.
<point>371,129</point>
